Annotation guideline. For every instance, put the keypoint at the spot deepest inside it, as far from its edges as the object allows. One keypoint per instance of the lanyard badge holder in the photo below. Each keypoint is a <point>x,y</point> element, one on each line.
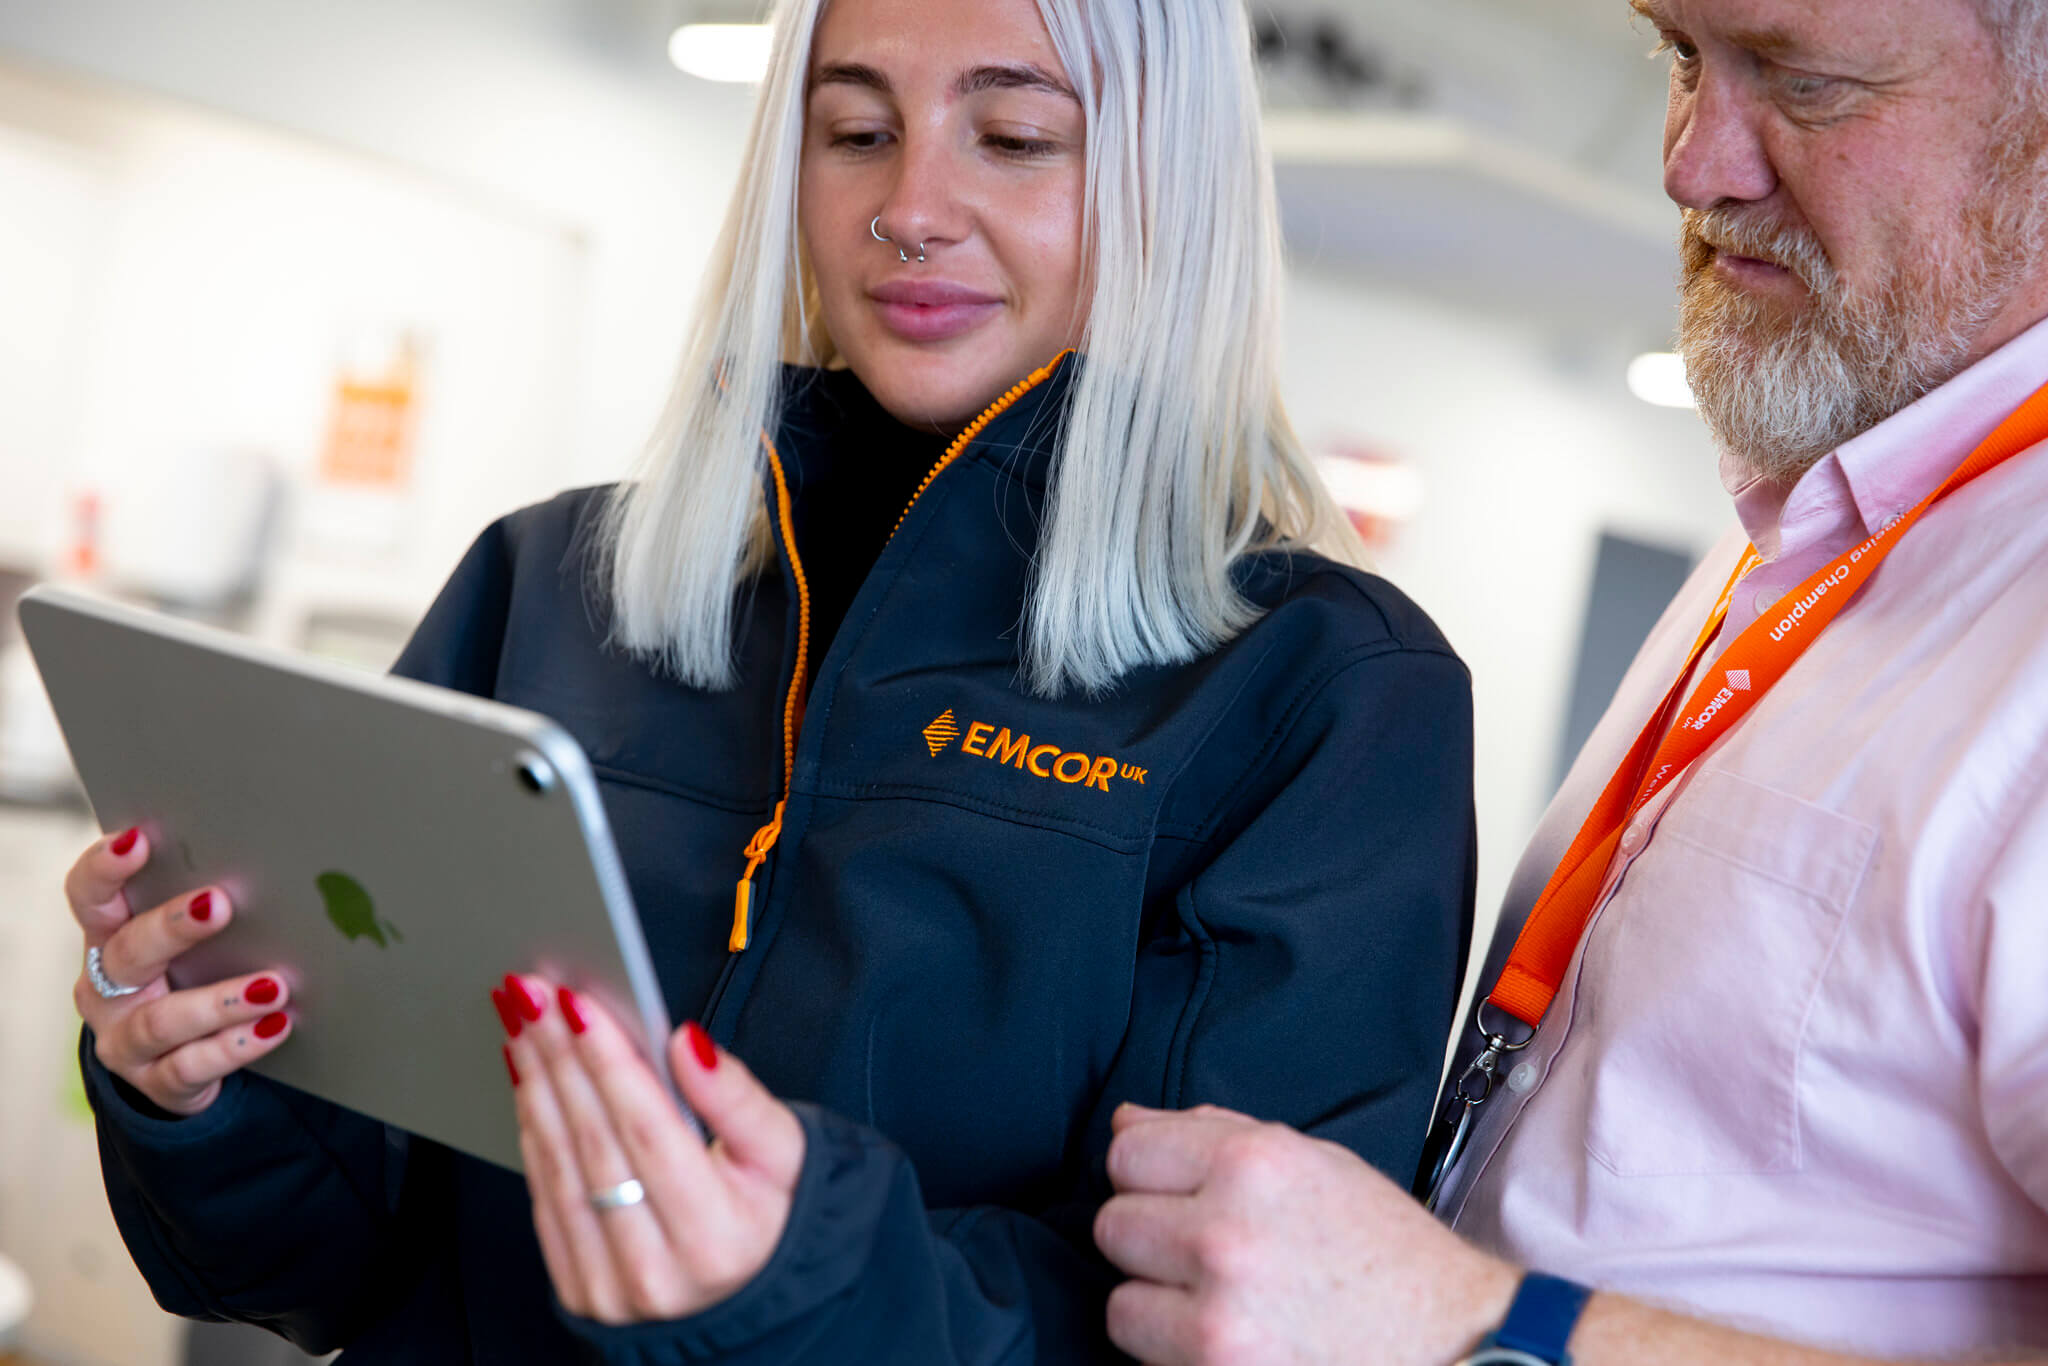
<point>1750,666</point>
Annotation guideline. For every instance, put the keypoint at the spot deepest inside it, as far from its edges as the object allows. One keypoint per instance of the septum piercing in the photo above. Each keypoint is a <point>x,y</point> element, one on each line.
<point>875,230</point>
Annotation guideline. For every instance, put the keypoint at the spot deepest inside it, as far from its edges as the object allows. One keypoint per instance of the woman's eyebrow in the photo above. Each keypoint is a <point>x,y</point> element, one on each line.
<point>851,73</point>
<point>1021,76</point>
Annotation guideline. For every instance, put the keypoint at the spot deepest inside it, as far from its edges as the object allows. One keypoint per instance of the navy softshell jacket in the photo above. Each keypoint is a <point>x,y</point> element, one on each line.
<point>989,919</point>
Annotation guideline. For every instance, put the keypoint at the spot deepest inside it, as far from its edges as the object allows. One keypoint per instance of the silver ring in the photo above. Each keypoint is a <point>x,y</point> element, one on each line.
<point>107,987</point>
<point>875,231</point>
<point>622,1196</point>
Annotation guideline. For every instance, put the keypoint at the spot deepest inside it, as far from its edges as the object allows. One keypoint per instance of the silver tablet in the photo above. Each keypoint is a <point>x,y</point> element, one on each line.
<point>394,848</point>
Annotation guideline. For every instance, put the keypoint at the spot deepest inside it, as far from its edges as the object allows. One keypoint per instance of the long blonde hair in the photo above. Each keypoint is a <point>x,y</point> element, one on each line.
<point>1177,457</point>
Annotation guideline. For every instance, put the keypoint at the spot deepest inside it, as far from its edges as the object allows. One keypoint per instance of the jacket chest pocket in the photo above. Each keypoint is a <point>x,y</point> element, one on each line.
<point>1699,989</point>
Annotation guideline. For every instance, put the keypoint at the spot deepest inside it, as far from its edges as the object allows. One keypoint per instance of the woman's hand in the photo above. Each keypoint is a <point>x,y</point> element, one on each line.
<point>174,1047</point>
<point>593,1115</point>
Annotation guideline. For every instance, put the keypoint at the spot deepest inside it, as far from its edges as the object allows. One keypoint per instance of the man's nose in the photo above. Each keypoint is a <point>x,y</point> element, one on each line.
<point>1713,150</point>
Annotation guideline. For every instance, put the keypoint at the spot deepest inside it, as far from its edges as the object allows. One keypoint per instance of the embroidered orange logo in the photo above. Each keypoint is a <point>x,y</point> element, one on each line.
<point>1056,762</point>
<point>941,733</point>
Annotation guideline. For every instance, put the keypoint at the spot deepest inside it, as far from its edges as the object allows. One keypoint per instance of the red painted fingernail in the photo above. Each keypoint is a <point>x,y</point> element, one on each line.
<point>508,1014</point>
<point>529,1004</point>
<point>701,1045</point>
<point>124,842</point>
<point>571,1013</point>
<point>261,992</point>
<point>202,907</point>
<point>272,1025</point>
<point>509,1067</point>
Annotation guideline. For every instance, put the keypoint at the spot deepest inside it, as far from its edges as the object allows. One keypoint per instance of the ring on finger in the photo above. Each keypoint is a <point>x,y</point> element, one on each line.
<point>107,987</point>
<point>622,1196</point>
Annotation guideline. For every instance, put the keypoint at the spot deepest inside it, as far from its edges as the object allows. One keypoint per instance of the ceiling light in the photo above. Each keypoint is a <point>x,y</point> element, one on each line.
<point>722,52</point>
<point>1659,377</point>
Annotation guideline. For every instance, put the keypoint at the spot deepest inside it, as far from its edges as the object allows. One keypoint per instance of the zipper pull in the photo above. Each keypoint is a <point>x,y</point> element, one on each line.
<point>743,898</point>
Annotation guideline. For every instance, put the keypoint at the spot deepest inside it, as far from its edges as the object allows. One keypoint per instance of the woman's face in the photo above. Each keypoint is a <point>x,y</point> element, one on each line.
<point>955,123</point>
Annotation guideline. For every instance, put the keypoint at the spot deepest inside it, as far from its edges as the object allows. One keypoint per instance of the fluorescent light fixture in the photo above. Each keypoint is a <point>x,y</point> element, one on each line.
<point>722,52</point>
<point>1659,377</point>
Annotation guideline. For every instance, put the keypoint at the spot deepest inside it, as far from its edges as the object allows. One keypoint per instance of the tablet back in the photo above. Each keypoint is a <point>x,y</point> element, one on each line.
<point>393,848</point>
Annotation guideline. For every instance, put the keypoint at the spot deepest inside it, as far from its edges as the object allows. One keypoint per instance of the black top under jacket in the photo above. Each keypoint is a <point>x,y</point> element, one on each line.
<point>990,918</point>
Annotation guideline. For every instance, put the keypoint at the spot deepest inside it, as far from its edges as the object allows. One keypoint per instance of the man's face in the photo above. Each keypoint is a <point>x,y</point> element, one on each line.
<point>1860,192</point>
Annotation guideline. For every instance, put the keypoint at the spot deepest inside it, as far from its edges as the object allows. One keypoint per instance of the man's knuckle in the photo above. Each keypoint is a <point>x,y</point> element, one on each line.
<point>1258,1157</point>
<point>1220,1249</point>
<point>1222,1335</point>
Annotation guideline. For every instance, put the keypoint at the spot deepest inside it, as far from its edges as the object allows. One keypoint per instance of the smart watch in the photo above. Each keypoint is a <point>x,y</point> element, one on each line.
<point>1538,1325</point>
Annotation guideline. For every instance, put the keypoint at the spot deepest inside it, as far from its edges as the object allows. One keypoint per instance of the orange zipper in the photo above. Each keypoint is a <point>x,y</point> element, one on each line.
<point>764,840</point>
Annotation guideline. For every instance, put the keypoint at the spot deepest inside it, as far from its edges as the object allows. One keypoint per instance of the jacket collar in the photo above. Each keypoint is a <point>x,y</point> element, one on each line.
<point>822,408</point>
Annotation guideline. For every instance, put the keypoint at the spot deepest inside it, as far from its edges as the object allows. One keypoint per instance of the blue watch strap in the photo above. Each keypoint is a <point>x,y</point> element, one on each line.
<point>1541,1319</point>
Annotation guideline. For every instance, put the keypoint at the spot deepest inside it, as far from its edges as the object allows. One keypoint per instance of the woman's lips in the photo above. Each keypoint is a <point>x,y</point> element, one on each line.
<point>932,310</point>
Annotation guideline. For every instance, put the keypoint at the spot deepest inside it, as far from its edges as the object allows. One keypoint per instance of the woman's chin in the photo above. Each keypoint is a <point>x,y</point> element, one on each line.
<point>943,386</point>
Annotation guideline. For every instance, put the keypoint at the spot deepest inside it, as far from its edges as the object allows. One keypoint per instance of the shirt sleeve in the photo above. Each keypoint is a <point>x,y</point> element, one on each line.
<point>1306,972</point>
<point>202,1202</point>
<point>2012,1023</point>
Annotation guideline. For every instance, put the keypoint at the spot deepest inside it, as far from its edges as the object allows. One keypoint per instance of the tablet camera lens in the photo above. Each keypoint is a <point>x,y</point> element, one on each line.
<point>536,775</point>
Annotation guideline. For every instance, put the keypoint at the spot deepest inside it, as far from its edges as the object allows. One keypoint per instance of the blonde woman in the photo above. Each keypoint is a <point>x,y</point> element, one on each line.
<point>986,746</point>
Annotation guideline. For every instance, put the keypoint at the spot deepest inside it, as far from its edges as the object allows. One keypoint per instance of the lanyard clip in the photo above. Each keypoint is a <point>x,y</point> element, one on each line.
<point>1474,1088</point>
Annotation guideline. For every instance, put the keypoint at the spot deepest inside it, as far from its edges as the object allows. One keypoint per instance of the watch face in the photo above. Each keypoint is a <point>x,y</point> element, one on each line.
<point>1504,1356</point>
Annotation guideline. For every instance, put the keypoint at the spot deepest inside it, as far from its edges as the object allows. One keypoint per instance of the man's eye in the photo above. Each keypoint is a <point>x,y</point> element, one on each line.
<point>1807,89</point>
<point>1682,52</point>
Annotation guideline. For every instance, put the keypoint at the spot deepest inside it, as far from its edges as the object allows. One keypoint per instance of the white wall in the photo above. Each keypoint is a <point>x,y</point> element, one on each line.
<point>491,98</point>
<point>1527,453</point>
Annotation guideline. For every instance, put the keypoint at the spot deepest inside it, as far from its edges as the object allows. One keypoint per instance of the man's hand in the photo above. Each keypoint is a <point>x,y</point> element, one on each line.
<point>1252,1244</point>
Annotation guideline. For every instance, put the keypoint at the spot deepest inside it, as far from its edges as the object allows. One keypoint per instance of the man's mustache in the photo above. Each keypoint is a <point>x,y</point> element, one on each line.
<point>1707,233</point>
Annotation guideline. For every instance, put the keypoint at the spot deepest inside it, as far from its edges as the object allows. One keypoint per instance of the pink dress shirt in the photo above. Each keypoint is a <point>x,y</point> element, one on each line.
<point>1797,1079</point>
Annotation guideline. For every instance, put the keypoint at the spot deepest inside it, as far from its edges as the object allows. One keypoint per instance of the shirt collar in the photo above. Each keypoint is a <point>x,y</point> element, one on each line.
<point>1869,480</point>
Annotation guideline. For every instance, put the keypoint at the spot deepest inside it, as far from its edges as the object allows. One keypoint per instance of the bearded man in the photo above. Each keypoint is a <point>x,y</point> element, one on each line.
<point>1763,1052</point>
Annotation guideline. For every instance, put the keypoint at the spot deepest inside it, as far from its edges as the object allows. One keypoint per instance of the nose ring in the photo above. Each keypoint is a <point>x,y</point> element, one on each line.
<point>875,230</point>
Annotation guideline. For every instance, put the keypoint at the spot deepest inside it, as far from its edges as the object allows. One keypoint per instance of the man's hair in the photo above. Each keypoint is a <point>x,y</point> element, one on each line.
<point>1178,457</point>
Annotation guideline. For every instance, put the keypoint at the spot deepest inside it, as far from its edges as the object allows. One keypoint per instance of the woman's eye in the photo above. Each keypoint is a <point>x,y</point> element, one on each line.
<point>860,141</point>
<point>1010,145</point>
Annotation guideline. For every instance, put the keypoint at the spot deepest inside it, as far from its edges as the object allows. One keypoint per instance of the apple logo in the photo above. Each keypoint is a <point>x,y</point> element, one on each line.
<point>352,911</point>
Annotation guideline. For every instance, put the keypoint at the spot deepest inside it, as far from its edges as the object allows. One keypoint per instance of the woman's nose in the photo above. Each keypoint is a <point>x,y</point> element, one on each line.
<point>922,205</point>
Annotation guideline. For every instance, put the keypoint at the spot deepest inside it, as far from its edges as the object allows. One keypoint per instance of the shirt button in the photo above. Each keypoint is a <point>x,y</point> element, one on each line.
<point>1523,1079</point>
<point>1632,839</point>
<point>1764,599</point>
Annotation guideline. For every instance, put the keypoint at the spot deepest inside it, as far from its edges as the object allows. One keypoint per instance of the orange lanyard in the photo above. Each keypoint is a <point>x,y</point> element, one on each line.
<point>1748,669</point>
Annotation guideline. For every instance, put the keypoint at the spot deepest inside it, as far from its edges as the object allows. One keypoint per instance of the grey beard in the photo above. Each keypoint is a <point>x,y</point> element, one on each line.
<point>1779,399</point>
<point>1778,396</point>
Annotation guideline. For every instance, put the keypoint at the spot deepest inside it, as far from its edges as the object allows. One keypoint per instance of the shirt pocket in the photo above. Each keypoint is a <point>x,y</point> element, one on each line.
<point>1699,980</point>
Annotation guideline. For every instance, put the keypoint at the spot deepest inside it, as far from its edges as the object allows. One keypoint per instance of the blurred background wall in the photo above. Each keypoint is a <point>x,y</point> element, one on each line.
<point>296,295</point>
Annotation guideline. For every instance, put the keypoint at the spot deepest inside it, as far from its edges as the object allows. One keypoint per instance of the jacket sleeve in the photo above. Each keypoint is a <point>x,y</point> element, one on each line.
<point>1306,972</point>
<point>274,1207</point>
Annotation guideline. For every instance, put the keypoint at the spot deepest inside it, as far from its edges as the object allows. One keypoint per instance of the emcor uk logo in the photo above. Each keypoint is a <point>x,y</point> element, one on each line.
<point>1056,763</point>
